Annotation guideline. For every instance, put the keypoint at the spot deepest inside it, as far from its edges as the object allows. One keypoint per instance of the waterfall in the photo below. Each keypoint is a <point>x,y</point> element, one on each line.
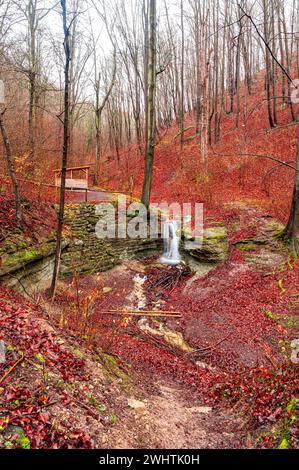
<point>171,255</point>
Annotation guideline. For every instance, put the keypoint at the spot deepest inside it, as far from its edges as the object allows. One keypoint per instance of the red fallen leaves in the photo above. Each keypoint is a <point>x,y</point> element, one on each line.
<point>267,391</point>
<point>243,234</point>
<point>241,299</point>
<point>39,218</point>
<point>154,360</point>
<point>20,328</point>
<point>17,410</point>
<point>23,405</point>
<point>267,394</point>
<point>232,300</point>
<point>7,212</point>
<point>179,176</point>
<point>263,393</point>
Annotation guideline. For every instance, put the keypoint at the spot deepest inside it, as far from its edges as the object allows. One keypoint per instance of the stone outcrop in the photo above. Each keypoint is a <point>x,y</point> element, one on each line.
<point>88,254</point>
<point>31,268</point>
<point>84,253</point>
<point>214,246</point>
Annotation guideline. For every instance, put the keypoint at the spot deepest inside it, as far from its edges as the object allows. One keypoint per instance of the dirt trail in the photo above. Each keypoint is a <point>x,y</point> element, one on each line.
<point>172,419</point>
<point>169,414</point>
<point>219,318</point>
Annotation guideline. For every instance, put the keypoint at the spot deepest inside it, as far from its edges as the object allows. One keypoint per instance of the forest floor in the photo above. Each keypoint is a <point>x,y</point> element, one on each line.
<point>80,375</point>
<point>218,375</point>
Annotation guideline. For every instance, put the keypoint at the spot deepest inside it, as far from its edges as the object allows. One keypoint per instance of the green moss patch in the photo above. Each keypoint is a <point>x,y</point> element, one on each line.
<point>246,245</point>
<point>112,371</point>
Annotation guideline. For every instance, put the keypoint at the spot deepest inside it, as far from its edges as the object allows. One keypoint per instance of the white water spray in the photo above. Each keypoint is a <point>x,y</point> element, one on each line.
<point>171,255</point>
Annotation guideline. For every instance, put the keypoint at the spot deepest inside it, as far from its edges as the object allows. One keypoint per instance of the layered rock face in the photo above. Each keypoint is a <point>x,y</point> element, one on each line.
<point>213,247</point>
<point>30,269</point>
<point>86,253</point>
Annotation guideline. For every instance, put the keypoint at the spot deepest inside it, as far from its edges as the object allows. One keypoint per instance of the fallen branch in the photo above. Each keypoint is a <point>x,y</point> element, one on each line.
<point>269,157</point>
<point>34,364</point>
<point>168,279</point>
<point>93,413</point>
<point>145,313</point>
<point>210,348</point>
<point>192,137</point>
<point>11,369</point>
<point>183,130</point>
<point>79,403</point>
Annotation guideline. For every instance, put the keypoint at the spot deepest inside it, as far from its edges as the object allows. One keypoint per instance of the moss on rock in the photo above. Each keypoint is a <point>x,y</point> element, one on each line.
<point>213,248</point>
<point>246,245</point>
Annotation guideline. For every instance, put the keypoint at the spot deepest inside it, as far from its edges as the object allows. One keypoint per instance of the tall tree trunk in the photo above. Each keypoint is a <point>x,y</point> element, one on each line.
<point>237,77</point>
<point>182,107</point>
<point>32,19</point>
<point>11,169</point>
<point>288,59</point>
<point>216,71</point>
<point>145,63</point>
<point>274,65</point>
<point>205,87</point>
<point>282,52</point>
<point>98,126</point>
<point>291,231</point>
<point>66,125</point>
<point>100,106</point>
<point>150,145</point>
<point>268,77</point>
<point>198,52</point>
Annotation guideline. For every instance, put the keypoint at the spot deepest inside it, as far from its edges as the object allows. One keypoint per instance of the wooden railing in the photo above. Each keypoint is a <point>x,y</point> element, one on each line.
<point>50,192</point>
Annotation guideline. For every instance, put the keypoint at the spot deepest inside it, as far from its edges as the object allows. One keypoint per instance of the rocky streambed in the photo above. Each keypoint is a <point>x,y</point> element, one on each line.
<point>29,268</point>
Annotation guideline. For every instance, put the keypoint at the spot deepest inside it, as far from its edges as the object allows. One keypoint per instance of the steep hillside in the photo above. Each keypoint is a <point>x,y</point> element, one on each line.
<point>234,172</point>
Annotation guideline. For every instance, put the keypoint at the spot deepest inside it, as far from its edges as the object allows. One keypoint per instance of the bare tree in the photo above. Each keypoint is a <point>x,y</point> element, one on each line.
<point>151,124</point>
<point>182,104</point>
<point>11,169</point>
<point>66,130</point>
<point>291,230</point>
<point>33,12</point>
<point>99,108</point>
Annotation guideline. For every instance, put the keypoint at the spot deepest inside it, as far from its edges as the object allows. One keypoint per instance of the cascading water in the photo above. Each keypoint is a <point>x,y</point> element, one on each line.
<point>171,255</point>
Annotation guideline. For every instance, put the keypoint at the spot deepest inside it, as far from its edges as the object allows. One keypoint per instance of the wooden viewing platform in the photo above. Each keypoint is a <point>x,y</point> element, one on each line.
<point>76,177</point>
